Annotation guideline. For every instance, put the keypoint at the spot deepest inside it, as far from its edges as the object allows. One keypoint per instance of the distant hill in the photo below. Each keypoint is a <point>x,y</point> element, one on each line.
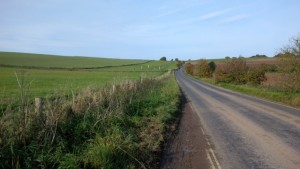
<point>55,61</point>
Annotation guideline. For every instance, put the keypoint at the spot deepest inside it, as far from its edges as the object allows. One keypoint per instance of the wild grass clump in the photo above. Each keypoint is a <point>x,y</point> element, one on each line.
<point>117,126</point>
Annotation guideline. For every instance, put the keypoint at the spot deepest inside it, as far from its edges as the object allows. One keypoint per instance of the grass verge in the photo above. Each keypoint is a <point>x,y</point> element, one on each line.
<point>118,126</point>
<point>289,98</point>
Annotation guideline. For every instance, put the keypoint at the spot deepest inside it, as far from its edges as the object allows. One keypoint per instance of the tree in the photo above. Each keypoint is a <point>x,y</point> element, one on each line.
<point>163,58</point>
<point>293,48</point>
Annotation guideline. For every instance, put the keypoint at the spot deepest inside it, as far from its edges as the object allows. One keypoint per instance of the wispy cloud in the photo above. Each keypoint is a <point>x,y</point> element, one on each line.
<point>214,14</point>
<point>168,13</point>
<point>158,28</point>
<point>235,18</point>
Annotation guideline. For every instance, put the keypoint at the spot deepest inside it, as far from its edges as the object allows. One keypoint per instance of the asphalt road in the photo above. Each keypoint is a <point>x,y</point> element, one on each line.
<point>245,132</point>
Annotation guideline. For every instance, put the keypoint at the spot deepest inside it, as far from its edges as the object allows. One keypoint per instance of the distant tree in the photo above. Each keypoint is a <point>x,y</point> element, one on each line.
<point>259,56</point>
<point>176,59</point>
<point>227,57</point>
<point>163,58</point>
<point>172,60</point>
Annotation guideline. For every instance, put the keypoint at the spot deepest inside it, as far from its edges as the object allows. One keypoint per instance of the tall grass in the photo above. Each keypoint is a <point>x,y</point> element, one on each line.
<point>116,126</point>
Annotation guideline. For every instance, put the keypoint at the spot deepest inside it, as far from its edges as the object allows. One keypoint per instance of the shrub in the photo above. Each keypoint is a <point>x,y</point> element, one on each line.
<point>256,75</point>
<point>290,67</point>
<point>202,69</point>
<point>189,68</point>
<point>212,65</point>
<point>222,74</point>
<point>234,70</point>
<point>178,64</point>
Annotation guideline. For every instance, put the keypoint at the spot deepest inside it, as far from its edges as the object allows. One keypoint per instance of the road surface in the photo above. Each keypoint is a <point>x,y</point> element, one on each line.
<point>245,132</point>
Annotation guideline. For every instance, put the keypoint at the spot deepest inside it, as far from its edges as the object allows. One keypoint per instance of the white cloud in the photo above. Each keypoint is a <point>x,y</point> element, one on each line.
<point>235,18</point>
<point>214,14</point>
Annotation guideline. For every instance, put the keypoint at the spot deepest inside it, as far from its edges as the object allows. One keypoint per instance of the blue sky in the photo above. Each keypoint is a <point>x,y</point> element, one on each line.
<point>184,29</point>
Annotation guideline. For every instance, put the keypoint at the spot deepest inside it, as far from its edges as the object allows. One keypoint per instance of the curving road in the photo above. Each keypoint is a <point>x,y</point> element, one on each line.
<point>246,132</point>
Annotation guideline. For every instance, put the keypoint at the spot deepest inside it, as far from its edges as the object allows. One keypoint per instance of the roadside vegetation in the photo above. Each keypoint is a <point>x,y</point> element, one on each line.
<point>113,117</point>
<point>276,79</point>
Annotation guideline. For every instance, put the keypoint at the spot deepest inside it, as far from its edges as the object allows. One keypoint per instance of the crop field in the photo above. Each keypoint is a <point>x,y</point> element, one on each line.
<point>54,61</point>
<point>45,75</point>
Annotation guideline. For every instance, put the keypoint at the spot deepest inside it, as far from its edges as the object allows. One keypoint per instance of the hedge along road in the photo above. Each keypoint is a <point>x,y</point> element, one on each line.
<point>245,132</point>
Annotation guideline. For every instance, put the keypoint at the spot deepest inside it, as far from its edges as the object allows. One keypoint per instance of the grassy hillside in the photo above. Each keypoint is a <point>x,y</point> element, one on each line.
<point>54,61</point>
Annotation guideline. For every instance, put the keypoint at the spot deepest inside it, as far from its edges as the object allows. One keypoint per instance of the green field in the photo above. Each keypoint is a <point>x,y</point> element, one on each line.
<point>54,61</point>
<point>46,75</point>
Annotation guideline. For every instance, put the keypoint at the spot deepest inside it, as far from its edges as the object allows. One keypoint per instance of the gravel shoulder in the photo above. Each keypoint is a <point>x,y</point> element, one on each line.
<point>186,149</point>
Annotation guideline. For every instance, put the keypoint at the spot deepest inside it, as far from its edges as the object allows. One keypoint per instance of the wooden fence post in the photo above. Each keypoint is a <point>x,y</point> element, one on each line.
<point>38,105</point>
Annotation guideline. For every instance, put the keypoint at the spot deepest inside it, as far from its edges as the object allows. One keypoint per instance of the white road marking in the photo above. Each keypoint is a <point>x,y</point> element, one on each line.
<point>211,155</point>
<point>215,159</point>
<point>202,131</point>
<point>210,160</point>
